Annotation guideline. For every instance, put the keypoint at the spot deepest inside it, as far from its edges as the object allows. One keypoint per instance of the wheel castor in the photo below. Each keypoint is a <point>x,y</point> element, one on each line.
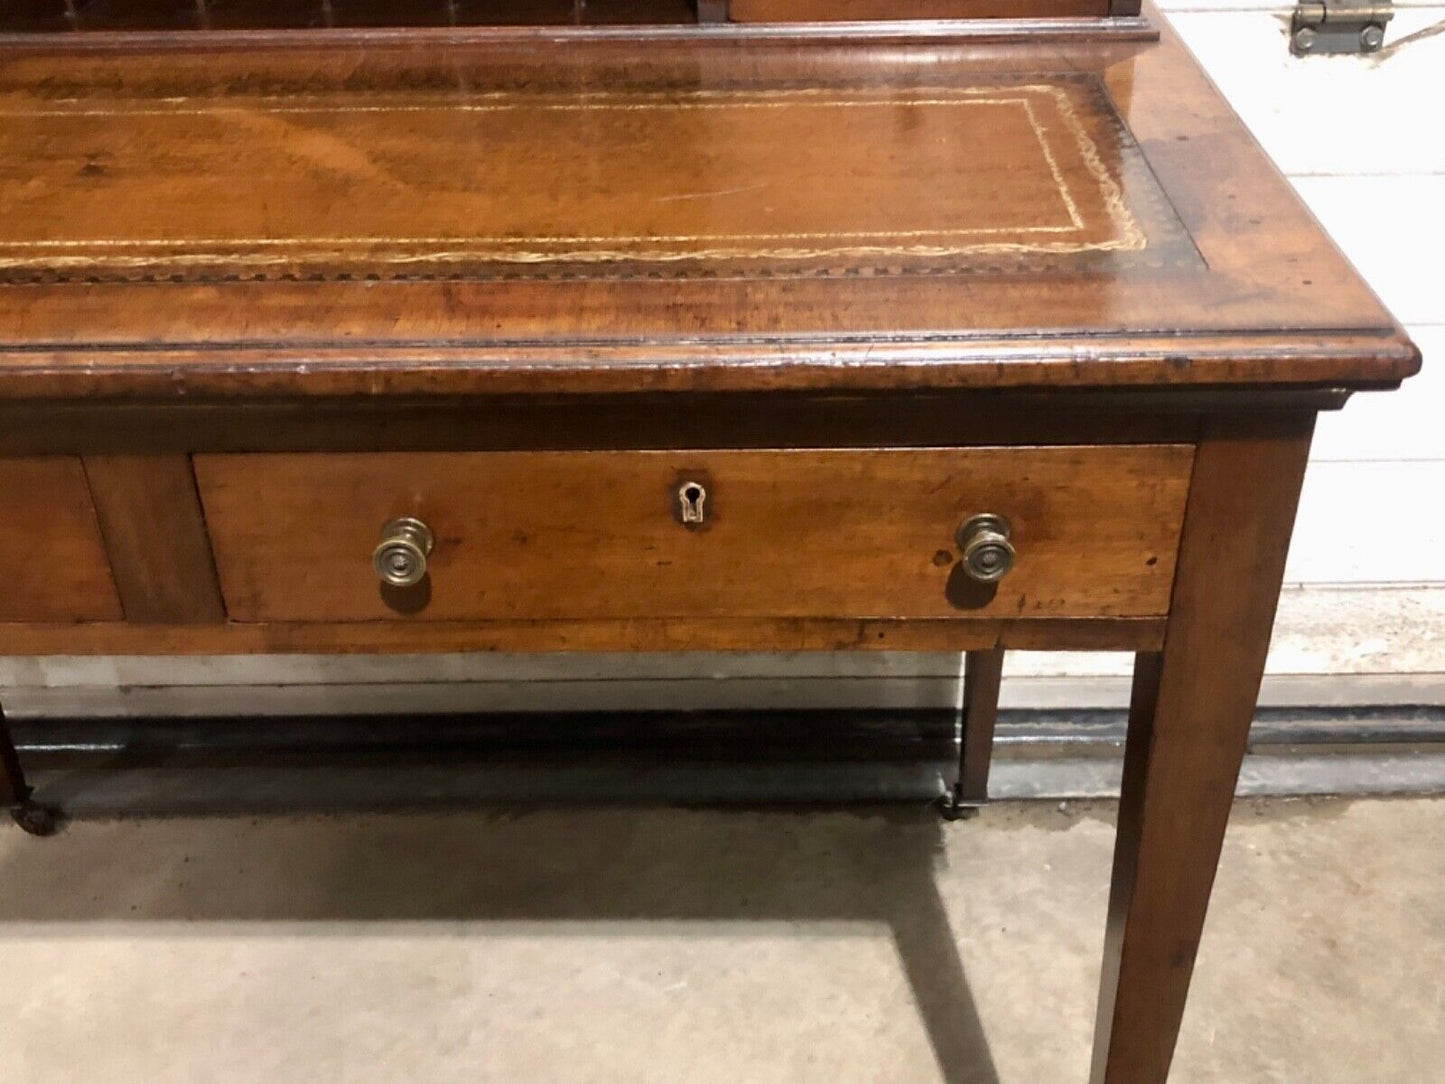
<point>952,808</point>
<point>38,820</point>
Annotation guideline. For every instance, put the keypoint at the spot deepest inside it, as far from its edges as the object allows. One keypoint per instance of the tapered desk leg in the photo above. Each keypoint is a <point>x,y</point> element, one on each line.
<point>1188,726</point>
<point>982,671</point>
<point>15,792</point>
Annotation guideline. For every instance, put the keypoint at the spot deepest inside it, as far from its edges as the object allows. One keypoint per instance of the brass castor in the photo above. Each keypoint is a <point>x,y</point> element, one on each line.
<point>38,820</point>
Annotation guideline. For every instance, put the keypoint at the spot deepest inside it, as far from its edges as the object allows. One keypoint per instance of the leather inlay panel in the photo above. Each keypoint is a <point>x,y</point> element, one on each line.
<point>542,183</point>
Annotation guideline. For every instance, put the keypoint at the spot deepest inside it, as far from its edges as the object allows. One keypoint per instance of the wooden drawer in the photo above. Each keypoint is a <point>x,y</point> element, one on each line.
<point>577,535</point>
<point>51,550</point>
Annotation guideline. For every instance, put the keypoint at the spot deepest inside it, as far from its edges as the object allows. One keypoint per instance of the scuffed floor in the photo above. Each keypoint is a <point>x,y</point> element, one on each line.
<point>664,945</point>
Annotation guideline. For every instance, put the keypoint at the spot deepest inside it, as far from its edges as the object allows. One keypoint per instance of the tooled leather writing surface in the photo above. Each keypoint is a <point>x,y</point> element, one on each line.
<point>697,214</point>
<point>414,186</point>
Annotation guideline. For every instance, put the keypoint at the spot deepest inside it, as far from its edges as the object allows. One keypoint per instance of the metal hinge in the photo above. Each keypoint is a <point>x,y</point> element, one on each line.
<point>1339,26</point>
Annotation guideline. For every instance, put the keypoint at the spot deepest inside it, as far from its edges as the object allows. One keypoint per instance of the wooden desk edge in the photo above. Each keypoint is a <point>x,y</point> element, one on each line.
<point>1115,28</point>
<point>430,637</point>
<point>1365,359</point>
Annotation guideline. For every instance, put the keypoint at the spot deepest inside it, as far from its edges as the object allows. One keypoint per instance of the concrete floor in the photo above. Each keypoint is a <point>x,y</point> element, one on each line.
<point>666,945</point>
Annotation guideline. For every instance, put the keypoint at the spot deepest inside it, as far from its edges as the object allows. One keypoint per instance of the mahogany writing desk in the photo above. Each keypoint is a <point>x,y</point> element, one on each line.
<point>799,336</point>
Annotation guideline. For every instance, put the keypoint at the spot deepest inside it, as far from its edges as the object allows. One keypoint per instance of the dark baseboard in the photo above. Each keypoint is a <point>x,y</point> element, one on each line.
<point>235,764</point>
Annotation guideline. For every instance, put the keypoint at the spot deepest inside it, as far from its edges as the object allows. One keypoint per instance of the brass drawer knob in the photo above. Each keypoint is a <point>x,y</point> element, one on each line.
<point>988,555</point>
<point>400,559</point>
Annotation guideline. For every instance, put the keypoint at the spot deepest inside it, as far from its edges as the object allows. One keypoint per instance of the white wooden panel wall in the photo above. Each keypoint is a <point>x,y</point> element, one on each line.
<point>1363,620</point>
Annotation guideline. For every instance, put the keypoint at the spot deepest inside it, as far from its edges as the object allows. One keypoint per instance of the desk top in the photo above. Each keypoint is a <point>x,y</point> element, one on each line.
<point>513,216</point>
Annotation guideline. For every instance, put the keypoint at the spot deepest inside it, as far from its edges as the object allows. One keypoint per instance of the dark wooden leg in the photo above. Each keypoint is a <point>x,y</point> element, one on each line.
<point>15,792</point>
<point>982,671</point>
<point>1188,726</point>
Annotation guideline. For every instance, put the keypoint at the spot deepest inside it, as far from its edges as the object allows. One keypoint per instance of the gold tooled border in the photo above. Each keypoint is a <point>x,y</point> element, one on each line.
<point>484,250</point>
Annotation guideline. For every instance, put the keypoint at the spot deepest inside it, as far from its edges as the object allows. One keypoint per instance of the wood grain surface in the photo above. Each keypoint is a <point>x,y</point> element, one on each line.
<point>982,675</point>
<point>547,536</point>
<point>659,634</point>
<point>1189,723</point>
<point>156,537</point>
<point>50,545</point>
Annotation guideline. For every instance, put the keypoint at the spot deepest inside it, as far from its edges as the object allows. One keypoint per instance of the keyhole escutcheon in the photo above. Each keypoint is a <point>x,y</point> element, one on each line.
<point>692,502</point>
